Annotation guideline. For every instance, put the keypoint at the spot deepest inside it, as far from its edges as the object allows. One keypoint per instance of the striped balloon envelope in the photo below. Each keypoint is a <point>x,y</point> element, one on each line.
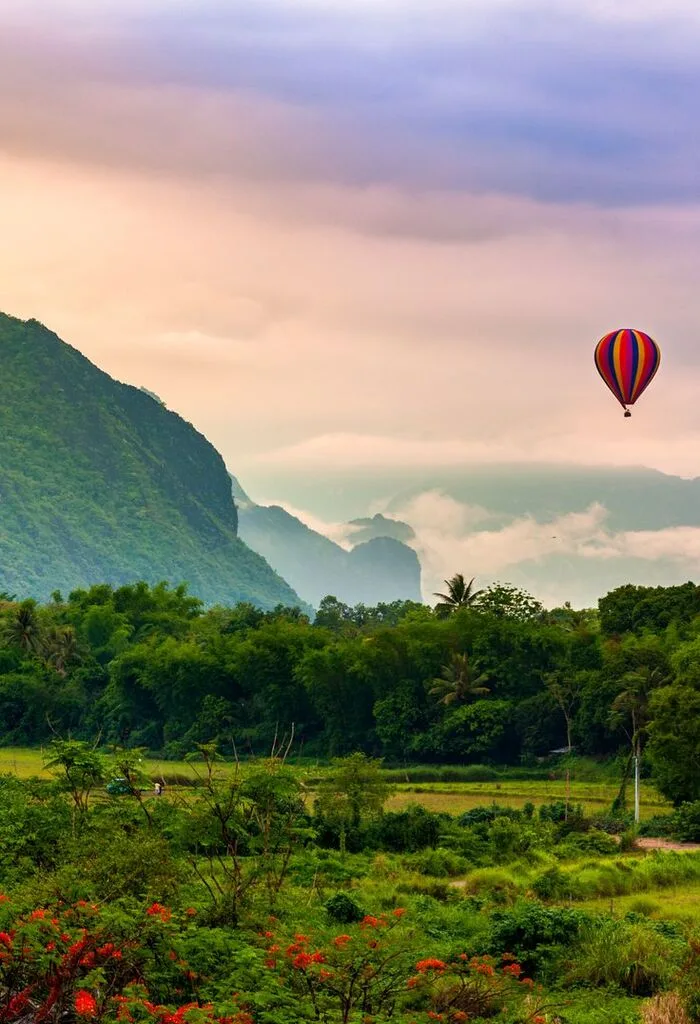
<point>627,360</point>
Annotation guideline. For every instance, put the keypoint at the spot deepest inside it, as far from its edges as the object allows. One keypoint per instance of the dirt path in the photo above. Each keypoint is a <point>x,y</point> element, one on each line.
<point>666,844</point>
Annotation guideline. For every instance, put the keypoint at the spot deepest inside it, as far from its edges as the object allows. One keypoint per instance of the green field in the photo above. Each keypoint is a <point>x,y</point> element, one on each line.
<point>456,798</point>
<point>447,797</point>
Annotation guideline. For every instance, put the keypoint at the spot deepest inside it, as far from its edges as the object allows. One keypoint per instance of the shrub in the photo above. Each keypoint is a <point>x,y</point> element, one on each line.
<point>552,884</point>
<point>495,883</point>
<point>687,823</point>
<point>487,815</point>
<point>440,864</point>
<point>644,906</point>
<point>406,831</point>
<point>343,909</point>
<point>594,841</point>
<point>532,931</point>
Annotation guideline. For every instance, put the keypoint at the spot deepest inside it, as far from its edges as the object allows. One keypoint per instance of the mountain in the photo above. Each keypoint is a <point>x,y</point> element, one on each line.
<point>563,532</point>
<point>378,525</point>
<point>100,482</point>
<point>378,569</point>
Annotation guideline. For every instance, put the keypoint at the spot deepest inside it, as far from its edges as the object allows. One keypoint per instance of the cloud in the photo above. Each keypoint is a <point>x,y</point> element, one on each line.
<point>560,103</point>
<point>451,537</point>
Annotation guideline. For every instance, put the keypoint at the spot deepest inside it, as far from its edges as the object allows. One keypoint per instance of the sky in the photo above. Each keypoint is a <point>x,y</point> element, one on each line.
<point>347,233</point>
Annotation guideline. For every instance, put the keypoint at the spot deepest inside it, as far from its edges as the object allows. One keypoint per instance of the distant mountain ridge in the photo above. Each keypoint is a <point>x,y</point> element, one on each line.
<point>101,483</point>
<point>378,568</point>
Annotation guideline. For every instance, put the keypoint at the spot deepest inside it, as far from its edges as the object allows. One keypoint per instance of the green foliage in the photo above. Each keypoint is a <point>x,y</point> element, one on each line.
<point>534,933</point>
<point>343,909</point>
<point>101,482</point>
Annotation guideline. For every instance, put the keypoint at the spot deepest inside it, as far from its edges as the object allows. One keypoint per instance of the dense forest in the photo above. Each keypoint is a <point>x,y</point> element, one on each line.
<point>487,677</point>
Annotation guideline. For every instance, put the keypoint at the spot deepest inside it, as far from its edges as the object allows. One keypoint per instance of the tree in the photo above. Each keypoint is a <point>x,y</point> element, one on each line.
<point>23,628</point>
<point>674,742</point>
<point>631,706</point>
<point>565,688</point>
<point>460,594</point>
<point>353,792</point>
<point>60,648</point>
<point>508,602</point>
<point>79,769</point>
<point>457,684</point>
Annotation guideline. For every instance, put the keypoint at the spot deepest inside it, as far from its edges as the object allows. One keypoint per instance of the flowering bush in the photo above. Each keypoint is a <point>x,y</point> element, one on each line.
<point>368,974</point>
<point>68,964</point>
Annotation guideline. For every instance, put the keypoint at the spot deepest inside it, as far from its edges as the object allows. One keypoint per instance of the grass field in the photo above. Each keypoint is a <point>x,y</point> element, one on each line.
<point>449,797</point>
<point>456,798</point>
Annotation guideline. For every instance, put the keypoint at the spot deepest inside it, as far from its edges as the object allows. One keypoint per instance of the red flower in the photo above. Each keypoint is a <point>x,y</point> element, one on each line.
<point>190,912</point>
<point>459,1015</point>
<point>399,912</point>
<point>18,1002</point>
<point>369,922</point>
<point>85,1004</point>
<point>430,965</point>
<point>301,961</point>
<point>158,910</point>
<point>341,940</point>
<point>269,935</point>
<point>515,970</point>
<point>6,939</point>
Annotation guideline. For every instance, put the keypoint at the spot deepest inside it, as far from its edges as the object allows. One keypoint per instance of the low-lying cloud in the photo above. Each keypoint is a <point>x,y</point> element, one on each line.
<point>453,536</point>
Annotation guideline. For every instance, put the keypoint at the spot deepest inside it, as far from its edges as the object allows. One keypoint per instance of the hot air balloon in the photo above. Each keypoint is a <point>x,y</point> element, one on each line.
<point>627,360</point>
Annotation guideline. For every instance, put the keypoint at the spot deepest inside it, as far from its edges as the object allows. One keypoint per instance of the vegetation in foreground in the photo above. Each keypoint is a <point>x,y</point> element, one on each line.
<point>235,902</point>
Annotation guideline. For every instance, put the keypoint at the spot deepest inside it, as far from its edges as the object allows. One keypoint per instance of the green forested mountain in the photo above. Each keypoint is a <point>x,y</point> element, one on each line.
<point>101,482</point>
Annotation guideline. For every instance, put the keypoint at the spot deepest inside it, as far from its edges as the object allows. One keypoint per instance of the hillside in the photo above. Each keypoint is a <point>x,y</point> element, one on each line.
<point>379,569</point>
<point>101,482</point>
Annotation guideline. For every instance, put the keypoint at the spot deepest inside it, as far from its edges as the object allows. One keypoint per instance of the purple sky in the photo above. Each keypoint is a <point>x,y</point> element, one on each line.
<point>368,232</point>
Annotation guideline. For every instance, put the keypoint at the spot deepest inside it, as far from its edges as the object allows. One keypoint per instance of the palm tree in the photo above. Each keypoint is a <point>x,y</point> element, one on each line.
<point>23,628</point>
<point>459,595</point>
<point>60,648</point>
<point>631,706</point>
<point>457,683</point>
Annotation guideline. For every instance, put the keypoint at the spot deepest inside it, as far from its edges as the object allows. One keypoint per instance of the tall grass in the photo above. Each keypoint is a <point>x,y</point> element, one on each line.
<point>665,1009</point>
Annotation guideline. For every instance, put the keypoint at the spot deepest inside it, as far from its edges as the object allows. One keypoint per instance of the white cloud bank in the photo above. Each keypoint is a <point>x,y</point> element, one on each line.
<point>452,536</point>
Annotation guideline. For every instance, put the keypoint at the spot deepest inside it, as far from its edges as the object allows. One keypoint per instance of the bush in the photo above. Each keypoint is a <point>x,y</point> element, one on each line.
<point>593,841</point>
<point>552,884</point>
<point>497,884</point>
<point>532,932</point>
<point>487,815</point>
<point>406,831</point>
<point>343,909</point>
<point>644,906</point>
<point>687,823</point>
<point>613,824</point>
<point>440,864</point>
